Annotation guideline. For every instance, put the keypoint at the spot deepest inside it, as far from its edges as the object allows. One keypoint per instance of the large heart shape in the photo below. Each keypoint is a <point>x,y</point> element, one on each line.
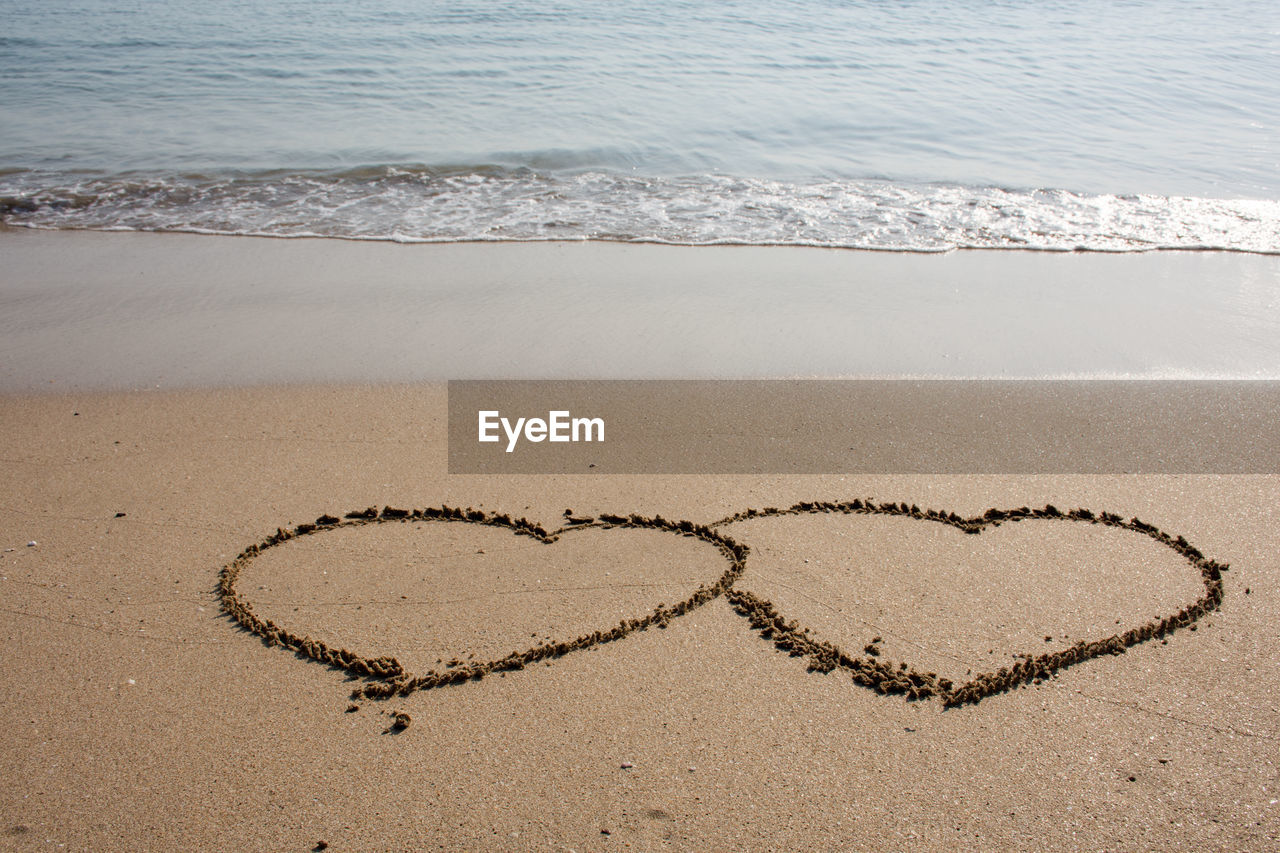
<point>803,589</point>
<point>385,674</point>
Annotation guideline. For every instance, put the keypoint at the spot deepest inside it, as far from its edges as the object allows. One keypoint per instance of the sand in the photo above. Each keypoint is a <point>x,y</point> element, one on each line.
<point>136,310</point>
<point>138,715</point>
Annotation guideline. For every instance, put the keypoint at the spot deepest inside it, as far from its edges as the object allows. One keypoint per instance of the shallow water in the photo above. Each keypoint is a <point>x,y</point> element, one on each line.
<point>901,126</point>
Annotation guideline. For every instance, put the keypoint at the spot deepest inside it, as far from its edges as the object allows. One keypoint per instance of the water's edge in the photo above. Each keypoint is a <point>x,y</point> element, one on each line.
<point>486,204</point>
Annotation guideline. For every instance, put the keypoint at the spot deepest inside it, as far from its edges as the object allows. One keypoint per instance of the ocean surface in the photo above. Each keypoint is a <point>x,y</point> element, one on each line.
<point>906,126</point>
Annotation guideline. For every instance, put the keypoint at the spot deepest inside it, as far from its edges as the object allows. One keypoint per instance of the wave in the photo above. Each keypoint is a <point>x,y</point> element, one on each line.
<point>491,202</point>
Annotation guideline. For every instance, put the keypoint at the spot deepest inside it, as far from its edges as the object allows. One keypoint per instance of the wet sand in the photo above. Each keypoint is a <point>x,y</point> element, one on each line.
<point>716,701</point>
<point>135,310</point>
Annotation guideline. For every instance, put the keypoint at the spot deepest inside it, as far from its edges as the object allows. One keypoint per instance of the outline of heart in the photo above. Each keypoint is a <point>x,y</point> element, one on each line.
<point>386,677</point>
<point>884,677</point>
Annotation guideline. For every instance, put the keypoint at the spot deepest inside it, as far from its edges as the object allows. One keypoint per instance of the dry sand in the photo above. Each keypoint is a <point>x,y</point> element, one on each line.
<point>137,716</point>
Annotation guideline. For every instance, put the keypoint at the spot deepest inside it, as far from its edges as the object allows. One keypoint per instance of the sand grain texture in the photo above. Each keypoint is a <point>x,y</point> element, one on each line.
<point>137,716</point>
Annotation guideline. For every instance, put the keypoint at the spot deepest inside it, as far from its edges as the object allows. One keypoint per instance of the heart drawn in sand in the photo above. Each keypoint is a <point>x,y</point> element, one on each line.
<point>871,669</point>
<point>386,675</point>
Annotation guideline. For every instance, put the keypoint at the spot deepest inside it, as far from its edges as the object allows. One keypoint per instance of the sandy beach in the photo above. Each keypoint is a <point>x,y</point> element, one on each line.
<point>927,369</point>
<point>139,715</point>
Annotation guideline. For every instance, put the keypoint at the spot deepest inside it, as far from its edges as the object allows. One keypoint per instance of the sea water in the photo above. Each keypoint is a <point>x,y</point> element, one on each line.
<point>908,125</point>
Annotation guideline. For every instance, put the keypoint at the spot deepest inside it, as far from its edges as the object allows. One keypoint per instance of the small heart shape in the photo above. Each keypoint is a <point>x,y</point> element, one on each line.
<point>870,666</point>
<point>385,673</point>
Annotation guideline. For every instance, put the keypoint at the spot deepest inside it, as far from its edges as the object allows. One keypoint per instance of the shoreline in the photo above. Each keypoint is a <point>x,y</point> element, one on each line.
<point>7,228</point>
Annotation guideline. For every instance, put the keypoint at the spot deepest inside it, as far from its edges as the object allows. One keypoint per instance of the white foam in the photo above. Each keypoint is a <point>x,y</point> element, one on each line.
<point>404,204</point>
